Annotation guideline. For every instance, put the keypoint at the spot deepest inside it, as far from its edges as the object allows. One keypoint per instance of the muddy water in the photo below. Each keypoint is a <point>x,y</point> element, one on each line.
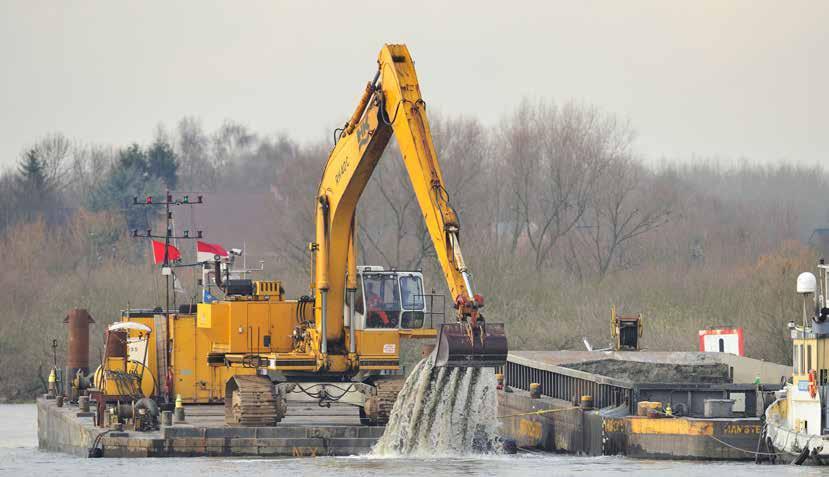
<point>443,412</point>
<point>20,457</point>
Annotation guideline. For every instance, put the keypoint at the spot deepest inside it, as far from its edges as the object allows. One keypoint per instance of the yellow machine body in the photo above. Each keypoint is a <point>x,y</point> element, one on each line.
<point>208,347</point>
<point>103,381</point>
<point>627,330</point>
<point>263,331</point>
<point>189,346</point>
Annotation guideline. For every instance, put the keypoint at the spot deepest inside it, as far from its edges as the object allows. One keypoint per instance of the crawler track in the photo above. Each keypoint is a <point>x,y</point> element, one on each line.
<point>252,401</point>
<point>378,407</point>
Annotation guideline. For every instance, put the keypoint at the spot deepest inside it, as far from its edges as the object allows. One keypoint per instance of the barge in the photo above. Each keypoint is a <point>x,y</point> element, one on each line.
<point>654,405</point>
<point>308,431</point>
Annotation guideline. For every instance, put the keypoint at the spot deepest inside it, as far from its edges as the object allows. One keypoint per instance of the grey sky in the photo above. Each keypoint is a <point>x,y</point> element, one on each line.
<point>718,78</point>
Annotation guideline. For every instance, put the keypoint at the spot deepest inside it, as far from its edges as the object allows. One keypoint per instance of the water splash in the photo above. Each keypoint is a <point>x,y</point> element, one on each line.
<point>443,411</point>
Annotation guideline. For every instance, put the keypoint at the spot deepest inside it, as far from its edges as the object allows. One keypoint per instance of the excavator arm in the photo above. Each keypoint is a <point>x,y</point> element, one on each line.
<point>392,104</point>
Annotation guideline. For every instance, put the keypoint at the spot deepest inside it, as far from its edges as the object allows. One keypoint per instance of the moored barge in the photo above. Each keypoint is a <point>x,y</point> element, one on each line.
<point>656,405</point>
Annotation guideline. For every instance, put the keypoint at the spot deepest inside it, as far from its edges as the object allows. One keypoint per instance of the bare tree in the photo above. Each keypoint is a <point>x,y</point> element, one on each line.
<point>464,152</point>
<point>192,144</point>
<point>54,152</point>
<point>518,157</point>
<point>294,188</point>
<point>387,212</point>
<point>390,221</point>
<point>85,169</point>
<point>232,141</point>
<point>625,205</point>
<point>554,158</point>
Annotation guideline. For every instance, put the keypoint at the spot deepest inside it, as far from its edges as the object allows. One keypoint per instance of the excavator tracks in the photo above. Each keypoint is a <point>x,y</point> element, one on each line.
<point>378,407</point>
<point>252,401</point>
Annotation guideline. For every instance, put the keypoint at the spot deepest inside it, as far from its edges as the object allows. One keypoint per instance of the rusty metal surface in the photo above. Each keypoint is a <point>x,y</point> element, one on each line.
<point>556,426</point>
<point>559,427</point>
<point>77,354</point>
<point>116,344</point>
<point>459,345</point>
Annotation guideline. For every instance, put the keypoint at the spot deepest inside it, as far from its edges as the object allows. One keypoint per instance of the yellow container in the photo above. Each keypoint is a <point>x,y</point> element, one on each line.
<point>645,408</point>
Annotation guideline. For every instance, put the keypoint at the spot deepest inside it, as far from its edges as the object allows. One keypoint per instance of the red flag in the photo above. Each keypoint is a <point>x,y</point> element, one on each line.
<point>158,253</point>
<point>206,252</point>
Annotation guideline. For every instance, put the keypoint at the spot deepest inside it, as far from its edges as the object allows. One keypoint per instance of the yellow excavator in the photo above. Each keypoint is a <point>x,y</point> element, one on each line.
<point>342,342</point>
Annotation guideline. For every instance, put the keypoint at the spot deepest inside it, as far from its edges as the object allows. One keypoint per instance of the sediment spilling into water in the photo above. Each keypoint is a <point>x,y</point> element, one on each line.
<point>443,411</point>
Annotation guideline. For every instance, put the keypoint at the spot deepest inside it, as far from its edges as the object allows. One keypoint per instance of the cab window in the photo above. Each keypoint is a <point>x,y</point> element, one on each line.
<point>412,290</point>
<point>382,301</point>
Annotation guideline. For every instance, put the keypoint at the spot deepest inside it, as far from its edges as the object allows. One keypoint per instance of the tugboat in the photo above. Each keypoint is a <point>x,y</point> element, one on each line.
<point>797,423</point>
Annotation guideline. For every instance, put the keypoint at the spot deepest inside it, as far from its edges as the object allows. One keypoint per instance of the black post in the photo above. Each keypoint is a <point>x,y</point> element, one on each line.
<point>167,256</point>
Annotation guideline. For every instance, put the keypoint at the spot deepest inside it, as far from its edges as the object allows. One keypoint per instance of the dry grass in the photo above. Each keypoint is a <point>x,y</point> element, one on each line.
<point>50,271</point>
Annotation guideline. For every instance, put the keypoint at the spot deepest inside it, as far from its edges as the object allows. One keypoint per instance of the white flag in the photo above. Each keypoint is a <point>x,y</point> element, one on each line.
<point>177,285</point>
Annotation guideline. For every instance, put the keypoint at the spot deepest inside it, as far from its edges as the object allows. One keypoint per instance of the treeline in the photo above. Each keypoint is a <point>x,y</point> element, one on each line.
<point>560,219</point>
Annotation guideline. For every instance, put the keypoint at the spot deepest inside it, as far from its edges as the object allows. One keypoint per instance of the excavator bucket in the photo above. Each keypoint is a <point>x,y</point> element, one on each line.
<point>464,346</point>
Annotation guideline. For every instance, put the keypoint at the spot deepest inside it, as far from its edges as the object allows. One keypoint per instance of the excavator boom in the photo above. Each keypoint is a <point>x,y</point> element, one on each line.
<point>392,104</point>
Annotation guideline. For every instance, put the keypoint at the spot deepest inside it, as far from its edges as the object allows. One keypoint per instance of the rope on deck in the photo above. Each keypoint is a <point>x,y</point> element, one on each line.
<point>539,412</point>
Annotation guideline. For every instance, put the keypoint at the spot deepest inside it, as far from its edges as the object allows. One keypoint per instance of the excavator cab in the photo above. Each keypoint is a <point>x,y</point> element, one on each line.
<point>390,299</point>
<point>396,299</point>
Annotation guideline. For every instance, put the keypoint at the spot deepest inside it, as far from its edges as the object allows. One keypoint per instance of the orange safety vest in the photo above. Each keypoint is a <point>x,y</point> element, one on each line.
<point>812,384</point>
<point>373,307</point>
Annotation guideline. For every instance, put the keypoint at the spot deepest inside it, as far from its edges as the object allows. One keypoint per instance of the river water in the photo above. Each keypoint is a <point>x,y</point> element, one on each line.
<point>19,456</point>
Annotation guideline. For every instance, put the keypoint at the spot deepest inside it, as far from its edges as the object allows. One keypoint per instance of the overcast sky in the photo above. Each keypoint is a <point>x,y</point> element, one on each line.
<point>727,79</point>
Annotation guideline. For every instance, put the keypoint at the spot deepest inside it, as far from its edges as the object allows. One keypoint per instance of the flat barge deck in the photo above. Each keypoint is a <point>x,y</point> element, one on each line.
<point>308,430</point>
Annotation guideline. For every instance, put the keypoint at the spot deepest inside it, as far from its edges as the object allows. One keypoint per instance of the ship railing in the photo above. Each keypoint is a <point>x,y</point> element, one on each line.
<point>567,384</point>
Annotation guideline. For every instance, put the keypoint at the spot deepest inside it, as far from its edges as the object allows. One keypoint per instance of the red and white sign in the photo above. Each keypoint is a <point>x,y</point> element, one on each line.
<point>206,252</point>
<point>722,340</point>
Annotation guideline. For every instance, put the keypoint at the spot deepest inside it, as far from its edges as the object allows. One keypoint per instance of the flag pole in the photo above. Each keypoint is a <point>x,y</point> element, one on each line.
<point>166,267</point>
<point>167,256</point>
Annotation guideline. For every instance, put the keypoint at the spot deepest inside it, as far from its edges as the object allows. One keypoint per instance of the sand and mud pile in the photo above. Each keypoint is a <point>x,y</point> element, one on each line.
<point>650,372</point>
<point>443,411</point>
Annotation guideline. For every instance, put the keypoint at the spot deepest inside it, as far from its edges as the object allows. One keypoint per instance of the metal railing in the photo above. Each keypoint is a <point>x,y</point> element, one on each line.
<point>568,384</point>
<point>431,313</point>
